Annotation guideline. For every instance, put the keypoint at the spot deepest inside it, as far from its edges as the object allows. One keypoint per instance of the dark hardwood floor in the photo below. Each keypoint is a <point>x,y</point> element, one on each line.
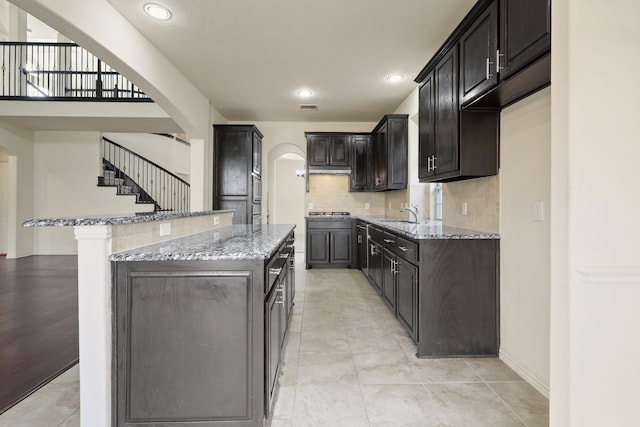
<point>38,323</point>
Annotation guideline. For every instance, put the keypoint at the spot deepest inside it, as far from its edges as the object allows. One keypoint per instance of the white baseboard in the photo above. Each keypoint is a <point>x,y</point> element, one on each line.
<point>526,374</point>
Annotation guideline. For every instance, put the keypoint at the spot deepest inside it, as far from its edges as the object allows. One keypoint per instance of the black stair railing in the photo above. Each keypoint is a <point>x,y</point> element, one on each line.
<point>61,71</point>
<point>168,191</point>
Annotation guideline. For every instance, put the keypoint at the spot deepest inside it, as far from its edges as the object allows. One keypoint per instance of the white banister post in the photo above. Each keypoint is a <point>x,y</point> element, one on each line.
<point>94,317</point>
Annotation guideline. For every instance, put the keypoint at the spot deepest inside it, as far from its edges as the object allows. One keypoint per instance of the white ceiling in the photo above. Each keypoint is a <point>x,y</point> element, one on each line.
<point>250,56</point>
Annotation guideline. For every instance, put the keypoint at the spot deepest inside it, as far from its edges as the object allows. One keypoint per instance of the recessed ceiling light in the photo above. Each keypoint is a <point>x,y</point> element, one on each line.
<point>157,11</point>
<point>395,78</point>
<point>304,93</point>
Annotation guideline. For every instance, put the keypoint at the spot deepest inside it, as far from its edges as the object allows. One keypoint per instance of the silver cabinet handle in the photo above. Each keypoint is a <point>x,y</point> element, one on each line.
<point>359,238</point>
<point>373,250</point>
<point>433,163</point>
<point>275,271</point>
<point>498,55</point>
<point>488,69</point>
<point>429,164</point>
<point>283,256</point>
<point>388,240</point>
<point>403,248</point>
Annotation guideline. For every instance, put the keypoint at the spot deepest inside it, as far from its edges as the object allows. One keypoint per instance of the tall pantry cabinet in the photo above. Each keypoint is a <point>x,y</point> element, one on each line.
<point>237,181</point>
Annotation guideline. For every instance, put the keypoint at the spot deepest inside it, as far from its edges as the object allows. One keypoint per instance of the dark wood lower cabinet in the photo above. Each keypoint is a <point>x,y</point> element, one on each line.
<point>443,291</point>
<point>199,342</point>
<point>407,296</point>
<point>330,243</point>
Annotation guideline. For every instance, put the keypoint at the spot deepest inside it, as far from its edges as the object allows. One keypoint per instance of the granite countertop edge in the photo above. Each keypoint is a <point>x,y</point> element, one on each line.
<point>431,230</point>
<point>115,219</point>
<point>230,243</point>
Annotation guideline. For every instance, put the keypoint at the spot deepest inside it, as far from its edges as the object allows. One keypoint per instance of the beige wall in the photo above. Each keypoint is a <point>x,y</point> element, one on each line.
<point>4,202</point>
<point>525,174</point>
<point>289,197</point>
<point>482,198</point>
<point>18,144</point>
<point>595,175</point>
<point>67,165</point>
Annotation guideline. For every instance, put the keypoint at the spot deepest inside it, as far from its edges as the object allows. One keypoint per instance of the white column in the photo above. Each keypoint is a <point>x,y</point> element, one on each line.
<point>94,317</point>
<point>197,174</point>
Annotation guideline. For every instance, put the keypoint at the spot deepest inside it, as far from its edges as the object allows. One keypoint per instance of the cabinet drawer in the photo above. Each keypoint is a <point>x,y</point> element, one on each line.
<point>375,234</point>
<point>407,249</point>
<point>389,240</point>
<point>330,225</point>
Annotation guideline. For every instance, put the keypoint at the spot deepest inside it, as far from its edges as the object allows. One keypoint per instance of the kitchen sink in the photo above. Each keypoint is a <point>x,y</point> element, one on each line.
<point>397,220</point>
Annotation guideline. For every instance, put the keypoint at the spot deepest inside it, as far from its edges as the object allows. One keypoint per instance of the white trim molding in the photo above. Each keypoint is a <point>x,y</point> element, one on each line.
<point>610,275</point>
<point>525,373</point>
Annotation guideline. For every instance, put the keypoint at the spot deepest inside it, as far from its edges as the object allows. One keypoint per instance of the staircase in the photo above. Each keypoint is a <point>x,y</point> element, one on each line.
<point>134,175</point>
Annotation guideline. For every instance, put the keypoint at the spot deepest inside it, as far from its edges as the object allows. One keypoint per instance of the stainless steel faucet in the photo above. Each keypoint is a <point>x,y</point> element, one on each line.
<point>412,209</point>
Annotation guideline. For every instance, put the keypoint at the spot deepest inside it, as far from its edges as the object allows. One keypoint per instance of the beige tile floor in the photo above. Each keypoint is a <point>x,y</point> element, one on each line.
<point>349,363</point>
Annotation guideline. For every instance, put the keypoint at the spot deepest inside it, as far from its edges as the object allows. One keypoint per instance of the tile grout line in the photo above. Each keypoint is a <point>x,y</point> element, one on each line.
<point>505,402</point>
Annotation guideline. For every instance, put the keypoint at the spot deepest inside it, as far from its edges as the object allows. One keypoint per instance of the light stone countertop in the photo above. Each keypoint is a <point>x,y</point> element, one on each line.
<point>234,242</point>
<point>432,229</point>
<point>114,219</point>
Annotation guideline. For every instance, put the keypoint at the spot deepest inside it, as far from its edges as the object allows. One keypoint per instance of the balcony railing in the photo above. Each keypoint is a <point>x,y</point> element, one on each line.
<point>61,72</point>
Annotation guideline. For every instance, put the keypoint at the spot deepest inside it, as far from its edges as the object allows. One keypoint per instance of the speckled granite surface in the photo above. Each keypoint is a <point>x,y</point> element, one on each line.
<point>235,242</point>
<point>113,219</point>
<point>431,230</point>
<point>328,217</point>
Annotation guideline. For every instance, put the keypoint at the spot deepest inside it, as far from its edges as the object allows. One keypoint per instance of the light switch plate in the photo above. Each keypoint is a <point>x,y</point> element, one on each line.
<point>310,205</point>
<point>367,205</point>
<point>216,220</point>
<point>464,208</point>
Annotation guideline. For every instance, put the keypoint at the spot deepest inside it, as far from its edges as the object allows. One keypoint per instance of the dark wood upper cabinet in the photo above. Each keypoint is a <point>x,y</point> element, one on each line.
<point>446,113</point>
<point>497,55</point>
<point>360,179</point>
<point>390,145</point>
<point>478,55</point>
<point>525,33</point>
<point>427,128</point>
<point>339,152</point>
<point>318,150</point>
<point>257,154</point>
<point>328,150</point>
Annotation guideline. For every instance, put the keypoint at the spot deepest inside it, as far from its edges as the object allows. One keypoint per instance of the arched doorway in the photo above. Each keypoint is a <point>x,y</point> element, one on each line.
<point>287,189</point>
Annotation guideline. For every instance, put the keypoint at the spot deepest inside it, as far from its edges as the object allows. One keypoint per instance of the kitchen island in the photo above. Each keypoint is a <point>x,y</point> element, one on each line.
<point>199,326</point>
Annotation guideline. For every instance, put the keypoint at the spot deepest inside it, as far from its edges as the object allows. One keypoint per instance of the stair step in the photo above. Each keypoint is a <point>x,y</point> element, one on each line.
<point>108,174</point>
<point>113,181</point>
<point>124,189</point>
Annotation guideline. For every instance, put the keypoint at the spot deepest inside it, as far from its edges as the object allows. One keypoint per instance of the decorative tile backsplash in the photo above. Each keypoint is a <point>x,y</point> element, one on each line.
<point>331,193</point>
<point>482,196</point>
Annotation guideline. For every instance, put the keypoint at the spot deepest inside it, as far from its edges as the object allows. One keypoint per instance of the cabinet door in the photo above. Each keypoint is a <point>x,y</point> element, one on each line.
<point>525,33</point>
<point>317,247</point>
<point>389,279</point>
<point>339,155</point>
<point>380,158</point>
<point>232,159</point>
<point>397,153</point>
<point>427,128</point>
<point>340,249</point>
<point>272,345</point>
<point>478,47</point>
<point>374,255</point>
<point>407,293</point>
<point>257,154</point>
<point>318,150</point>
<point>362,248</point>
<point>360,163</point>
<point>446,109</point>
<point>240,205</point>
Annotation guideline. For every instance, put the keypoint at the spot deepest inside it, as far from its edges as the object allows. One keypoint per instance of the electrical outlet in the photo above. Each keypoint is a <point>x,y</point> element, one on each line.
<point>216,220</point>
<point>538,211</point>
<point>165,229</point>
<point>310,205</point>
<point>367,205</point>
<point>464,208</point>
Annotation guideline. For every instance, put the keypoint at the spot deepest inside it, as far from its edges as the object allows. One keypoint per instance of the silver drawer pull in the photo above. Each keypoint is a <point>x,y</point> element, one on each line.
<point>284,256</point>
<point>275,271</point>
<point>388,240</point>
<point>403,248</point>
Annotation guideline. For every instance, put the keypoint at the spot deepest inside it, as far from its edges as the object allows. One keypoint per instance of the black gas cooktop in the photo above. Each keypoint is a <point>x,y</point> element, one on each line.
<point>329,213</point>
